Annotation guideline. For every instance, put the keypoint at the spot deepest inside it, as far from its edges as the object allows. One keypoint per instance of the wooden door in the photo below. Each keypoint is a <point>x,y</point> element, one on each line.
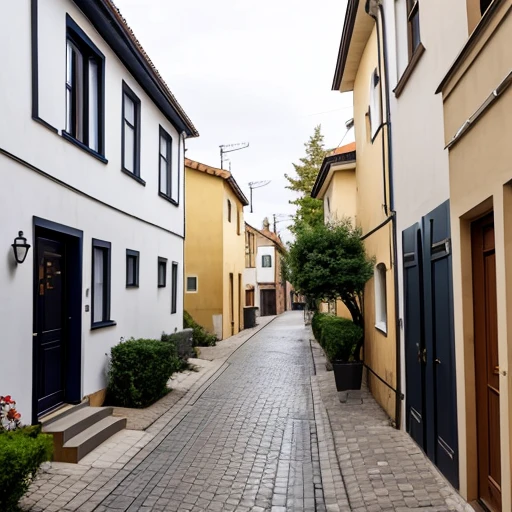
<point>240,305</point>
<point>50,335</point>
<point>268,302</point>
<point>231,304</point>
<point>486,362</point>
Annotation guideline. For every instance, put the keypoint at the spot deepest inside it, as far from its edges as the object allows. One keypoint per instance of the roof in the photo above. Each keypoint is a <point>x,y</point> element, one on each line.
<point>112,26</point>
<point>356,31</point>
<point>220,173</point>
<point>343,155</point>
<point>273,237</point>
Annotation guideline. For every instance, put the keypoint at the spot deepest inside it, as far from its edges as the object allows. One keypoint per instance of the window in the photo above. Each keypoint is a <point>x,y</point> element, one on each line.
<point>132,268</point>
<point>375,104</point>
<point>168,181</point>
<point>174,293</point>
<point>84,89</point>
<point>100,284</point>
<point>229,210</point>
<point>191,284</point>
<point>162,272</point>
<point>413,22</point>
<point>266,260</point>
<point>131,134</point>
<point>249,297</point>
<point>238,223</point>
<point>381,315</point>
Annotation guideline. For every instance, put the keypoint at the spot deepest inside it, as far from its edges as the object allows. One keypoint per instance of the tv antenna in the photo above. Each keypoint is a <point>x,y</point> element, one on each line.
<point>256,184</point>
<point>234,147</point>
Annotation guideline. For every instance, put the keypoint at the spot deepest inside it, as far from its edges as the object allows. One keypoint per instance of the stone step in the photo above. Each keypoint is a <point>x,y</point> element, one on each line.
<point>83,443</point>
<point>80,431</point>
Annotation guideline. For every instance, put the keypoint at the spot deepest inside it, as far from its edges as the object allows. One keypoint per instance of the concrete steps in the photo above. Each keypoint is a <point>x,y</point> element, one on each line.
<point>80,430</point>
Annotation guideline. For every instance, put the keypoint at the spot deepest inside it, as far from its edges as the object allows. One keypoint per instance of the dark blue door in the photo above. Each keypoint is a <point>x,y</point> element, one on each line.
<point>414,334</point>
<point>431,406</point>
<point>50,336</point>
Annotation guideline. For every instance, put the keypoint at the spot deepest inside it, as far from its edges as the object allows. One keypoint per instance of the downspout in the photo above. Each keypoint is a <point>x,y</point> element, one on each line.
<point>373,7</point>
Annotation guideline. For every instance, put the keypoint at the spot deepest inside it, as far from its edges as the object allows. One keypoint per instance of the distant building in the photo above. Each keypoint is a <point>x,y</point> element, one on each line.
<point>214,249</point>
<point>265,286</point>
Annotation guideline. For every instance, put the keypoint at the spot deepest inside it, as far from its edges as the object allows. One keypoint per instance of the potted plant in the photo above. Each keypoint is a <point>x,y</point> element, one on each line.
<point>340,338</point>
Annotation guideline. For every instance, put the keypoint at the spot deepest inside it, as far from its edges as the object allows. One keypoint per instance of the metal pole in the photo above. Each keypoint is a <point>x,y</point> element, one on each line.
<point>250,188</point>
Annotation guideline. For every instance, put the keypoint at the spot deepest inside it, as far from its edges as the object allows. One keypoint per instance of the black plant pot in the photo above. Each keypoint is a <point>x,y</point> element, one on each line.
<point>348,375</point>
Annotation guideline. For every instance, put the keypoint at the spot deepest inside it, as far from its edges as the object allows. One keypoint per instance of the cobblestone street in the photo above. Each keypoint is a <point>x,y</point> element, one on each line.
<point>266,432</point>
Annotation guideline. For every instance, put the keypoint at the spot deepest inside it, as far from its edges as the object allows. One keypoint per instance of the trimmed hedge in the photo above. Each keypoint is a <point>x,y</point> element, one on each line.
<point>22,451</point>
<point>338,336</point>
<point>139,371</point>
<point>201,337</point>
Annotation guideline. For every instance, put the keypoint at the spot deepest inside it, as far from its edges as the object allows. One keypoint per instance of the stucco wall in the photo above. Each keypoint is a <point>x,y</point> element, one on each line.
<point>233,262</point>
<point>203,246</point>
<point>480,174</point>
<point>266,274</point>
<point>380,348</point>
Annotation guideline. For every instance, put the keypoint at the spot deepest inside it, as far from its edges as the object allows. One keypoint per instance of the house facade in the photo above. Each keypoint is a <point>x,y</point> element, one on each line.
<point>214,249</point>
<point>92,167</point>
<point>476,91</point>
<point>265,286</point>
<point>356,184</point>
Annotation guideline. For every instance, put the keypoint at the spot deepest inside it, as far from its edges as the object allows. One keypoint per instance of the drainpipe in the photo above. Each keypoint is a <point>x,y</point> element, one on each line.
<point>373,8</point>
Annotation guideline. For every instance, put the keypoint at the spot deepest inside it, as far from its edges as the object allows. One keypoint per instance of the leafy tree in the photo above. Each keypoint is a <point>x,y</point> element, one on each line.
<point>310,211</point>
<point>329,262</point>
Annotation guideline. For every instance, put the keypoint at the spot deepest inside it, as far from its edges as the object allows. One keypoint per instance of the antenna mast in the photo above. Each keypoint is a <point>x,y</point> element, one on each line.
<point>234,147</point>
<point>256,184</point>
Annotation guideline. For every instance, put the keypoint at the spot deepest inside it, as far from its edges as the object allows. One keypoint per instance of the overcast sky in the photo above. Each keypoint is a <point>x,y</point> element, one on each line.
<point>246,71</point>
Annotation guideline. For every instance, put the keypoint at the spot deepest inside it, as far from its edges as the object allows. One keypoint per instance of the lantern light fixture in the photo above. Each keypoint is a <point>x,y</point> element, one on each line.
<point>20,248</point>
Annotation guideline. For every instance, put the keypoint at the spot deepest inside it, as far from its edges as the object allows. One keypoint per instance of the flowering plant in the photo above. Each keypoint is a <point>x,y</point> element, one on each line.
<point>10,418</point>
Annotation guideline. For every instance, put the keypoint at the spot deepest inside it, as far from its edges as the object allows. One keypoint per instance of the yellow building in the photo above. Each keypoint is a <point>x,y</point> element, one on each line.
<point>358,187</point>
<point>477,96</point>
<point>214,248</point>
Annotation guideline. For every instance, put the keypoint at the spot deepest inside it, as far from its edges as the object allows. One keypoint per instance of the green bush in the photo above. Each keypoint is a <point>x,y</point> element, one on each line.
<point>139,371</point>
<point>22,451</point>
<point>316,325</point>
<point>339,338</point>
<point>202,338</point>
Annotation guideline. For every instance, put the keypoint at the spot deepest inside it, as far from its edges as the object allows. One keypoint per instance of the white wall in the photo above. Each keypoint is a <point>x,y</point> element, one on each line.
<point>265,274</point>
<point>106,204</point>
<point>420,163</point>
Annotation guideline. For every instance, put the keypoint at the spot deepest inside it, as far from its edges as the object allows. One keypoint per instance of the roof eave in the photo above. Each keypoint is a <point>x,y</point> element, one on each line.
<point>343,158</point>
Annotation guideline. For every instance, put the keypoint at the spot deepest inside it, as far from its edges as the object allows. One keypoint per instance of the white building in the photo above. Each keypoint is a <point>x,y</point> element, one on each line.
<point>91,166</point>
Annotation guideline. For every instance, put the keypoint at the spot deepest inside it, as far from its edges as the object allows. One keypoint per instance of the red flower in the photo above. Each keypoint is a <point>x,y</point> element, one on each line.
<point>13,414</point>
<point>7,399</point>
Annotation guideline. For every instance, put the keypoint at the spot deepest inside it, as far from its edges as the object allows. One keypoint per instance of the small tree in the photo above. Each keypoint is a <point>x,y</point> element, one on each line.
<point>310,211</point>
<point>329,262</point>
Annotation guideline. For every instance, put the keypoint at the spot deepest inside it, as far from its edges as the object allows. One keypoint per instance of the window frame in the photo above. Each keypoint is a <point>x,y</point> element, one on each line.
<point>375,104</point>
<point>263,259</point>
<point>381,302</point>
<point>130,253</point>
<point>412,10</point>
<point>174,288</point>
<point>229,210</point>
<point>161,262</point>
<point>168,195</point>
<point>187,290</point>
<point>88,52</point>
<point>135,174</point>
<point>106,248</point>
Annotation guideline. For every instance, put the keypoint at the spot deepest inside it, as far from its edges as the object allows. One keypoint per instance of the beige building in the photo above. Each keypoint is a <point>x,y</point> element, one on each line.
<point>214,248</point>
<point>477,96</point>
<point>265,285</point>
<point>356,185</point>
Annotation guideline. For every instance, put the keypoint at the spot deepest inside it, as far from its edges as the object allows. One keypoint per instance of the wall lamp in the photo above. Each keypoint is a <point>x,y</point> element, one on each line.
<point>20,248</point>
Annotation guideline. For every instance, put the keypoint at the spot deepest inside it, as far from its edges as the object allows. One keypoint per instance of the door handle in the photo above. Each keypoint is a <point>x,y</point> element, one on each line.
<point>437,361</point>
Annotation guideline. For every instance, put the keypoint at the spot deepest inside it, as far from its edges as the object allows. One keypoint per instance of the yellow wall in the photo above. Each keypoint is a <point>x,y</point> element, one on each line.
<point>233,257</point>
<point>380,348</point>
<point>203,245</point>
<point>480,174</point>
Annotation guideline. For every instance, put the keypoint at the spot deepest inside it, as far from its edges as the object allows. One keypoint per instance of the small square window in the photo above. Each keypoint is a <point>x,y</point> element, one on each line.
<point>162,272</point>
<point>191,283</point>
<point>132,268</point>
<point>266,260</point>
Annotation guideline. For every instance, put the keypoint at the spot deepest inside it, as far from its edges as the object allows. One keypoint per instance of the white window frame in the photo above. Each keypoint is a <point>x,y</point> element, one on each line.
<point>197,284</point>
<point>375,107</point>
